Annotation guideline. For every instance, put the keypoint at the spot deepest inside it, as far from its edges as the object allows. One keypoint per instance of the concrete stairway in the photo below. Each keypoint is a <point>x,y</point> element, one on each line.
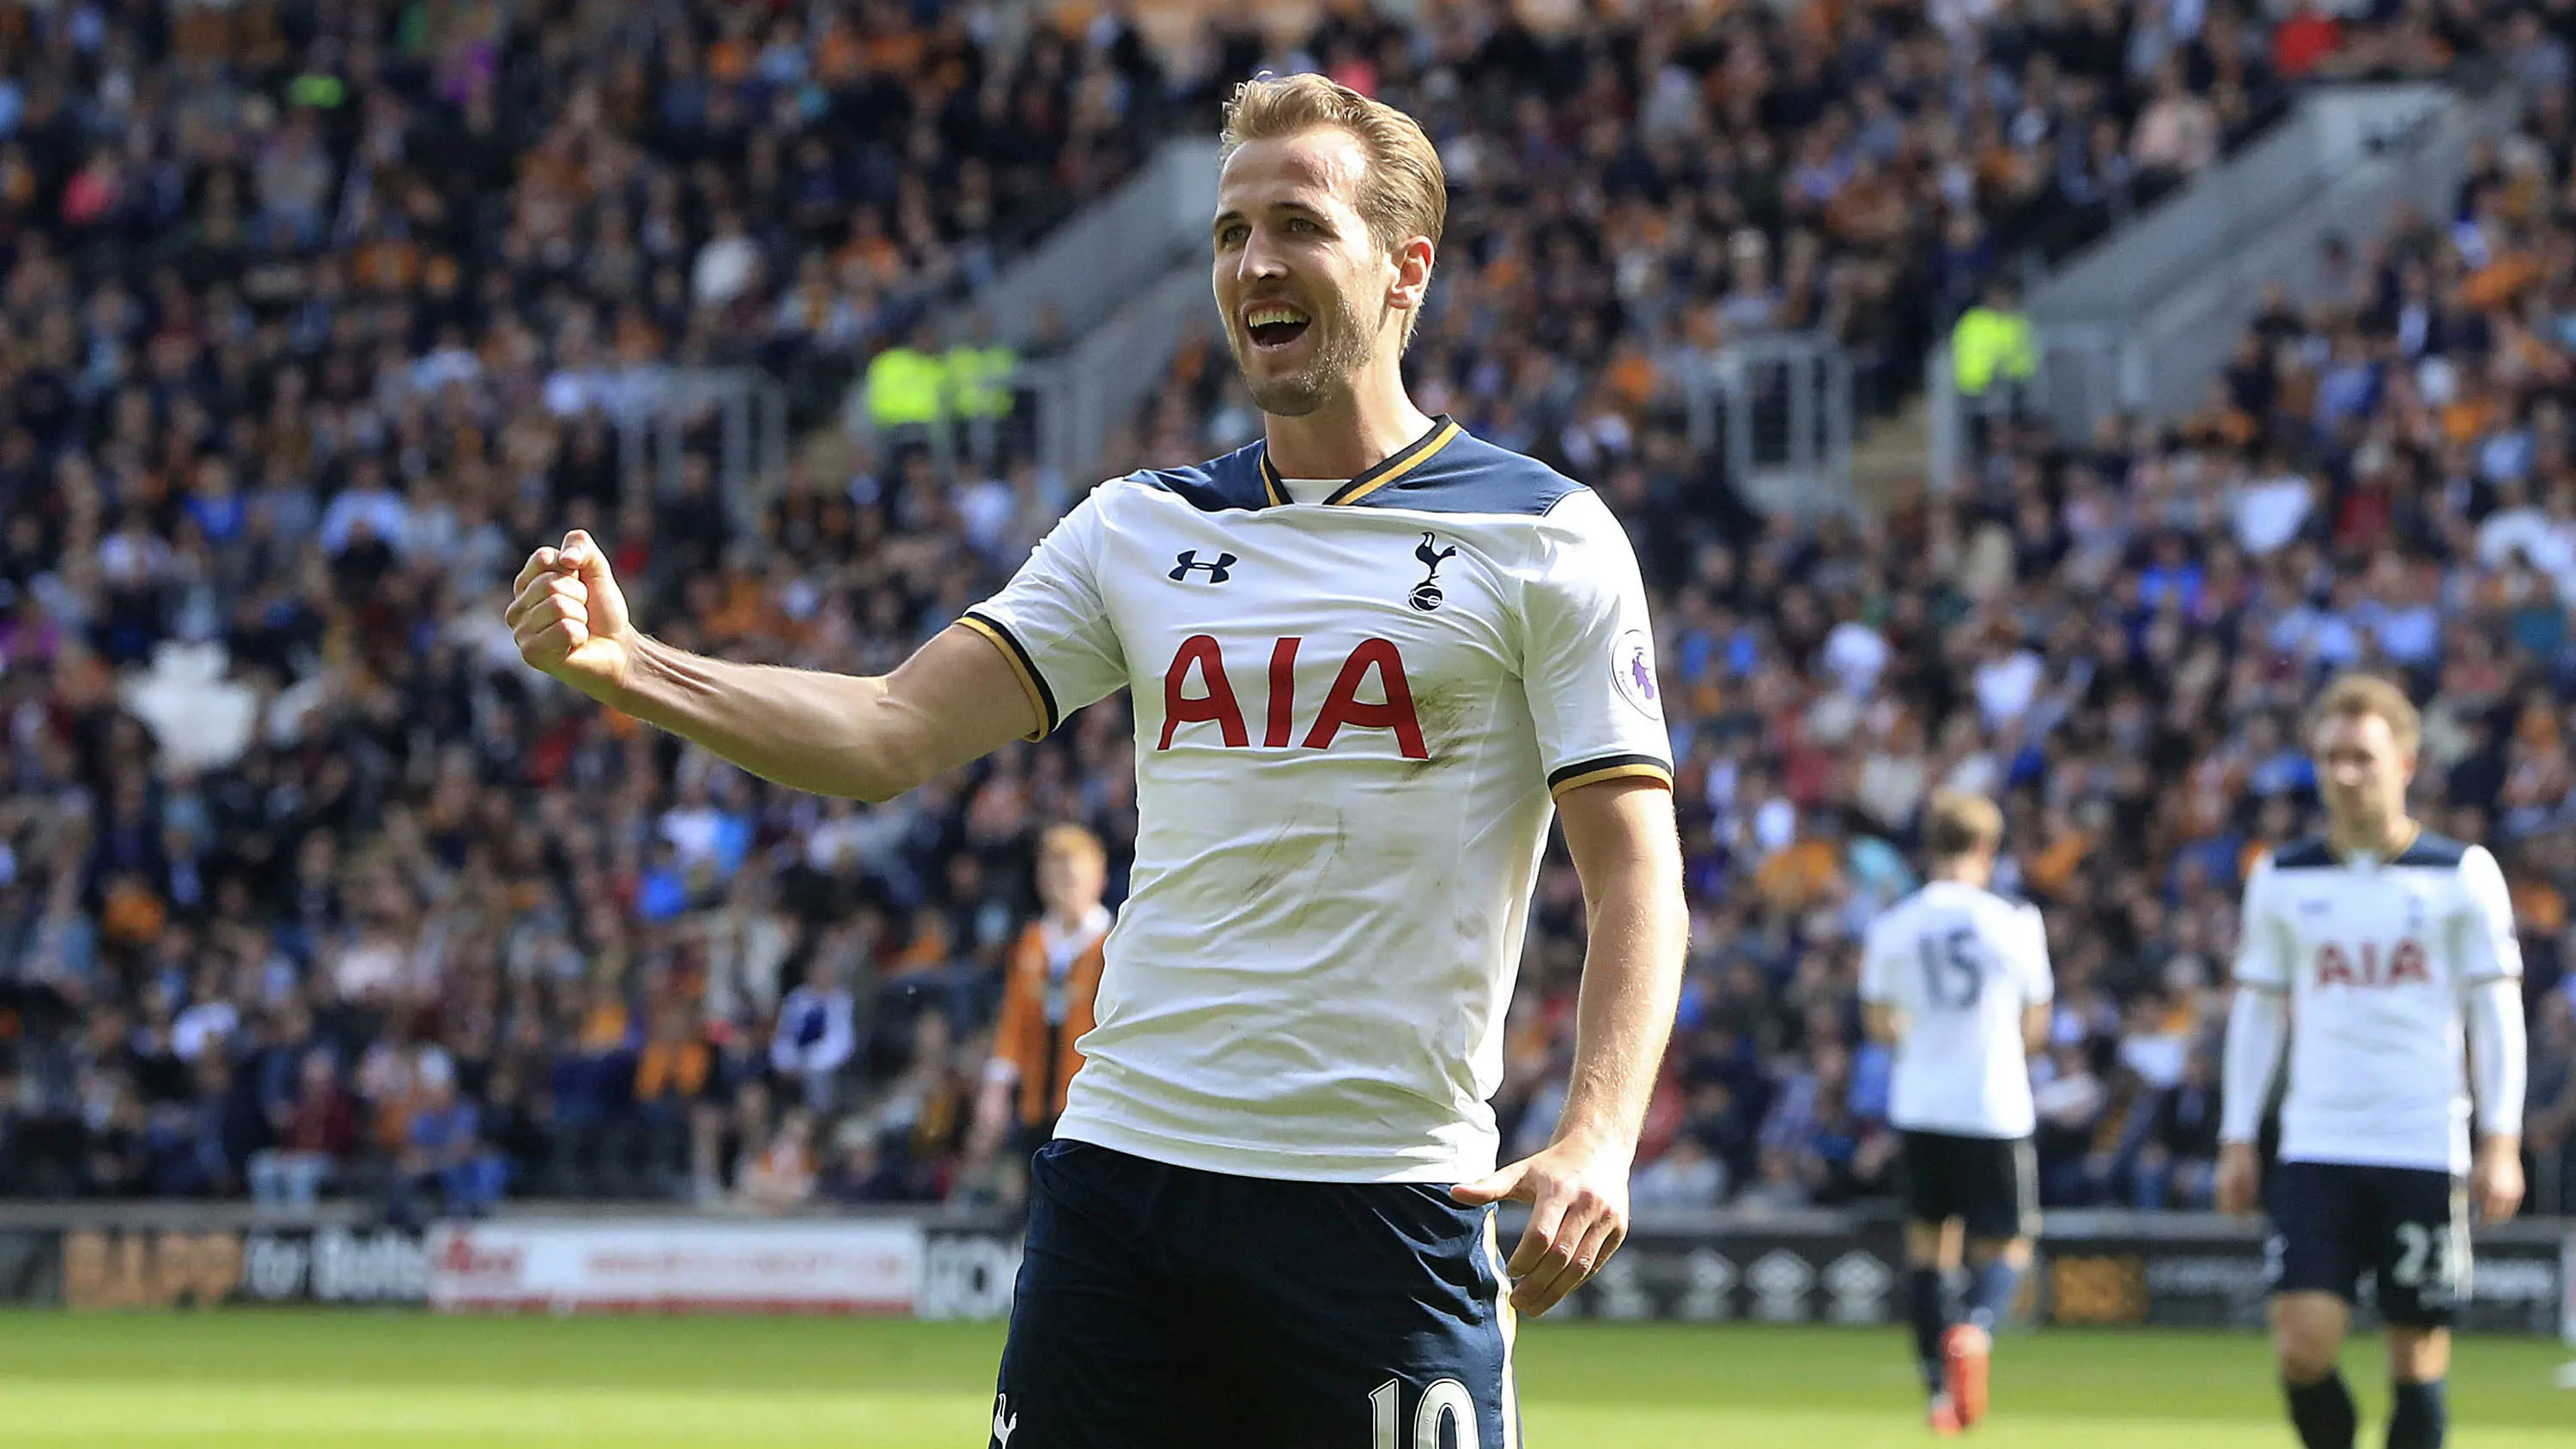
<point>1888,460</point>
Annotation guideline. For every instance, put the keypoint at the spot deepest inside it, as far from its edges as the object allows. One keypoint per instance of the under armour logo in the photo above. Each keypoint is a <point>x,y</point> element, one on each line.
<point>1426,594</point>
<point>1004,1428</point>
<point>1217,572</point>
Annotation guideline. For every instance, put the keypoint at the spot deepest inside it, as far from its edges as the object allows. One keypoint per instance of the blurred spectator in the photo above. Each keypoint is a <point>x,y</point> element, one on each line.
<point>2177,1164</point>
<point>2073,1104</point>
<point>314,1132</point>
<point>2178,134</point>
<point>781,1175</point>
<point>1049,982</point>
<point>859,1171</point>
<point>1685,1178</point>
<point>444,1153</point>
<point>815,1038</point>
<point>1992,344</point>
<point>2304,40</point>
<point>676,1113</point>
<point>2549,1130</point>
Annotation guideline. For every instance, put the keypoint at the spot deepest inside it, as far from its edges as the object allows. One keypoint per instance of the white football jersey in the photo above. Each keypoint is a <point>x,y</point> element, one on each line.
<point>1352,719</point>
<point>1961,964</point>
<point>2375,957</point>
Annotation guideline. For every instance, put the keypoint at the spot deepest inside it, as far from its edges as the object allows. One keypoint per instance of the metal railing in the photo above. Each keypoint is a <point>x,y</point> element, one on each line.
<point>1777,409</point>
<point>2085,372</point>
<point>655,408</point>
<point>2141,322</point>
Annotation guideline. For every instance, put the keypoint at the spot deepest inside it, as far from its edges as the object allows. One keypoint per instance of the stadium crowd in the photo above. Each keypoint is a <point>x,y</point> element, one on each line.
<point>312,318</point>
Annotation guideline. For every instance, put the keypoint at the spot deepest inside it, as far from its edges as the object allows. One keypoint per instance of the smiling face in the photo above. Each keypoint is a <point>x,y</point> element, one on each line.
<point>1309,296</point>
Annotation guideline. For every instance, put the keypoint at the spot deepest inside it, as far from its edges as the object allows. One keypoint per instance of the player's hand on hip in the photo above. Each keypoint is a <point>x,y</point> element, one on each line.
<point>2239,1172</point>
<point>1578,1199</point>
<point>2495,1180</point>
<point>569,619</point>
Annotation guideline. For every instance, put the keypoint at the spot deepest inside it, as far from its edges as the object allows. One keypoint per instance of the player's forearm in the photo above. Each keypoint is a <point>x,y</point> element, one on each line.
<point>1631,986</point>
<point>2498,1057</point>
<point>824,733</point>
<point>2258,1027</point>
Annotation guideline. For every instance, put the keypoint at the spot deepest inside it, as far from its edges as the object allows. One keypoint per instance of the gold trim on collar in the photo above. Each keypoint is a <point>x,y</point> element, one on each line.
<point>1441,435</point>
<point>1444,431</point>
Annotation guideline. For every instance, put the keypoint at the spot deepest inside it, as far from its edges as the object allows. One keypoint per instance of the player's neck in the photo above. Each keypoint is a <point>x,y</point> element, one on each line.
<point>2384,837</point>
<point>1348,436</point>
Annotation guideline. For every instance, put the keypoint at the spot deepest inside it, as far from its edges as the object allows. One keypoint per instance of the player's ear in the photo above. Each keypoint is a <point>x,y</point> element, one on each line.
<point>1412,273</point>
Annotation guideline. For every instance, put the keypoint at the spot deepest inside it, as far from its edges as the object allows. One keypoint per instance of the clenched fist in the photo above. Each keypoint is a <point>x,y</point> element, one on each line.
<point>569,619</point>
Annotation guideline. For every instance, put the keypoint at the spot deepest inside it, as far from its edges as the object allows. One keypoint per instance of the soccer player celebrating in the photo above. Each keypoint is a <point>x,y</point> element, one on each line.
<point>1957,978</point>
<point>2371,954</point>
<point>1370,657</point>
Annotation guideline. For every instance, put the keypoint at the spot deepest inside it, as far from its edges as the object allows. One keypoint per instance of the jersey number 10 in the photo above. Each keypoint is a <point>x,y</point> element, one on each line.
<point>1445,1400</point>
<point>1954,969</point>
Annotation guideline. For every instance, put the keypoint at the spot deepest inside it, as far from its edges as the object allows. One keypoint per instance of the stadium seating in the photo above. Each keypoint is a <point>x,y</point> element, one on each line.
<point>303,315</point>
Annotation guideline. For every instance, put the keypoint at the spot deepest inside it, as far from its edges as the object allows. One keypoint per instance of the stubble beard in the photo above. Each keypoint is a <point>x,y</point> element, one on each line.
<point>1342,349</point>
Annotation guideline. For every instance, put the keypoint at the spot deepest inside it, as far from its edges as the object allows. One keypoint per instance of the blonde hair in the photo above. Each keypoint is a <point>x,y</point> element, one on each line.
<point>1074,841</point>
<point>1956,823</point>
<point>2362,695</point>
<point>1402,195</point>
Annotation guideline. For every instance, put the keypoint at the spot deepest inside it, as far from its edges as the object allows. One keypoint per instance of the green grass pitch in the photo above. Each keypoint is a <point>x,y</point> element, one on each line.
<point>287,1379</point>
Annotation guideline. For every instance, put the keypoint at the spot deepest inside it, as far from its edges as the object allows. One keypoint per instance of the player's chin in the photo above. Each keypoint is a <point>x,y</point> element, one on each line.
<point>1291,396</point>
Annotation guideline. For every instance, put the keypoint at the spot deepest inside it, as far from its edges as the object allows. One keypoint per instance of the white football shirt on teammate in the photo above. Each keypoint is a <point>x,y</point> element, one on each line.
<point>2376,958</point>
<point>1351,719</point>
<point>1961,964</point>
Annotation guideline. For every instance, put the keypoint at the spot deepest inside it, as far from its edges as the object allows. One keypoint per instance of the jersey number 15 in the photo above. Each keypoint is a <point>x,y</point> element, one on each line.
<point>1954,969</point>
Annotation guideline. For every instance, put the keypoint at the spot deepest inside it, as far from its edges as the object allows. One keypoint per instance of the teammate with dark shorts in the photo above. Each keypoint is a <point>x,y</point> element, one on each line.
<point>1957,979</point>
<point>2379,956</point>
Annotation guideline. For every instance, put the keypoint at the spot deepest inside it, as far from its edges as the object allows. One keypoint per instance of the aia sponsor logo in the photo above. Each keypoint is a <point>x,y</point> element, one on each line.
<point>2367,965</point>
<point>1198,691</point>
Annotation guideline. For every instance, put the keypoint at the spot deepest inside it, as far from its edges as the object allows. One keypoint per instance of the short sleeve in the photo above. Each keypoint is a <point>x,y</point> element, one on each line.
<point>2038,981</point>
<point>2260,962</point>
<point>2488,949</point>
<point>1050,621</point>
<point>1588,652</point>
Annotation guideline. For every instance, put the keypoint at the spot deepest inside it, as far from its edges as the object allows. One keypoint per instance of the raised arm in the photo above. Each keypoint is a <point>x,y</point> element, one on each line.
<point>957,697</point>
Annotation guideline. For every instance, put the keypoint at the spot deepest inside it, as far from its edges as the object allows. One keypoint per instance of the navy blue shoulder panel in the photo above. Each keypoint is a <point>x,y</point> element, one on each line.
<point>2309,854</point>
<point>1463,473</point>
<point>1231,481</point>
<point>1447,470</point>
<point>2429,850</point>
<point>2433,850</point>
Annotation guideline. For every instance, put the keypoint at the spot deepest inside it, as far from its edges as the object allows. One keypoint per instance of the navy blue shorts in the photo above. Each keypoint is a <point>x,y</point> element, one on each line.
<point>1160,1307</point>
<point>1991,1184</point>
<point>2408,1228</point>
